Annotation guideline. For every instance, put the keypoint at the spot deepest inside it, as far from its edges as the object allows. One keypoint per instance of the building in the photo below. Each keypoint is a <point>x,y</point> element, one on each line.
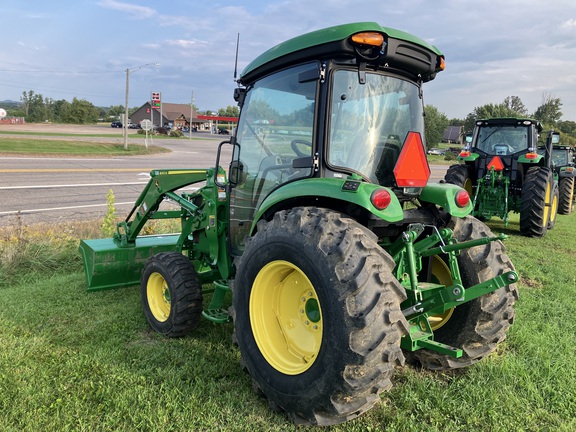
<point>453,135</point>
<point>173,115</point>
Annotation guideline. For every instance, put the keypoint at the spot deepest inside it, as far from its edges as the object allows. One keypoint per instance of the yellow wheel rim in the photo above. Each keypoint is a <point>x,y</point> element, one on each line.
<point>158,296</point>
<point>440,274</point>
<point>554,208</point>
<point>547,200</point>
<point>468,186</point>
<point>286,318</point>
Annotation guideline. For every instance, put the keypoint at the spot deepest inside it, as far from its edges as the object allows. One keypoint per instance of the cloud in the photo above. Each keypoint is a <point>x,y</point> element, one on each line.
<point>181,43</point>
<point>139,12</point>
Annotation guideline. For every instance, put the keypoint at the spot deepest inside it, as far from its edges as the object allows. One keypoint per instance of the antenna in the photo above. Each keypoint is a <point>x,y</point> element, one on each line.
<point>236,61</point>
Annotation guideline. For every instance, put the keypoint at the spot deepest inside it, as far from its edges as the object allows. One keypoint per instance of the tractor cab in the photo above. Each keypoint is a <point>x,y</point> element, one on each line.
<point>348,110</point>
<point>500,142</point>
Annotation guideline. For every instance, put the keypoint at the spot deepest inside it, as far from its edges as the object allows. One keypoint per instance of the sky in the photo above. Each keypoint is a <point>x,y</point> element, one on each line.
<point>65,49</point>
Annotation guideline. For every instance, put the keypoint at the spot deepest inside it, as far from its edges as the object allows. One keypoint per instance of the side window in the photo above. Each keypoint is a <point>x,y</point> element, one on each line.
<point>275,128</point>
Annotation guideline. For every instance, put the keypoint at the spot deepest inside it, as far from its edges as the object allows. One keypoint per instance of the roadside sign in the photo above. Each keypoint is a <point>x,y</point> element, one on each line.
<point>155,100</point>
<point>146,124</point>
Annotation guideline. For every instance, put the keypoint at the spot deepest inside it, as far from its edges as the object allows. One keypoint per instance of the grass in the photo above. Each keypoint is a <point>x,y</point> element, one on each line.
<point>73,360</point>
<point>48,147</point>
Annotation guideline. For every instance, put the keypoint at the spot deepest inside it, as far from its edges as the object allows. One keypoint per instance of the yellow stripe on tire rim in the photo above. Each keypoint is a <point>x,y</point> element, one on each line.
<point>442,275</point>
<point>286,317</point>
<point>158,297</point>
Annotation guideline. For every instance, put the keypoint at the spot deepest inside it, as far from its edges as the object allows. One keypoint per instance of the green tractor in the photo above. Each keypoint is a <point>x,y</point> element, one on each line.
<point>341,259</point>
<point>501,169</point>
<point>562,158</point>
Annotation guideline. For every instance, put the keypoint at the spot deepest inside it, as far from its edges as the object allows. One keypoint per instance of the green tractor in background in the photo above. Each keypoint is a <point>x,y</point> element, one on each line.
<point>562,162</point>
<point>340,257</point>
<point>501,169</point>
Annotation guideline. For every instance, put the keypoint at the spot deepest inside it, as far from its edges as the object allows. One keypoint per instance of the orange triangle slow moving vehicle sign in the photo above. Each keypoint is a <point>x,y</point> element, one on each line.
<point>412,168</point>
<point>496,163</point>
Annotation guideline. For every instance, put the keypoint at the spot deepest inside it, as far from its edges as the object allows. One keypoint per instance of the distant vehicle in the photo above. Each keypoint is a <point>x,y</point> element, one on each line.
<point>223,132</point>
<point>116,124</point>
<point>133,126</point>
<point>437,151</point>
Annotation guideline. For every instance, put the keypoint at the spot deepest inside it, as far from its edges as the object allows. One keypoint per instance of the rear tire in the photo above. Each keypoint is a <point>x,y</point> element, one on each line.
<point>535,202</point>
<point>566,199</point>
<point>171,294</point>
<point>481,324</point>
<point>317,315</point>
<point>459,175</point>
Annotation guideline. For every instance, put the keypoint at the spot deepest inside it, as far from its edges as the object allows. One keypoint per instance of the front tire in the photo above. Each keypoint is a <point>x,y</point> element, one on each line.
<point>481,324</point>
<point>317,315</point>
<point>171,294</point>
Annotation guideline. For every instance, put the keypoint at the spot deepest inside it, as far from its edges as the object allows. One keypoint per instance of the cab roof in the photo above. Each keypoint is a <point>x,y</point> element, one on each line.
<point>406,50</point>
<point>508,121</point>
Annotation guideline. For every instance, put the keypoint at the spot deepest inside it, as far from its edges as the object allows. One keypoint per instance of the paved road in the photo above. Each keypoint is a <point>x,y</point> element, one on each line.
<point>55,190</point>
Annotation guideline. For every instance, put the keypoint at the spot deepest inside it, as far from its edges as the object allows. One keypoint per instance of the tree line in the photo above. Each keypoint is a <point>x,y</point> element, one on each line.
<point>36,108</point>
<point>548,114</point>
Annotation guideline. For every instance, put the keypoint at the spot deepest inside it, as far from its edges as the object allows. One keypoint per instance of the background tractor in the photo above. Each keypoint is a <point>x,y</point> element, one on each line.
<point>501,169</point>
<point>341,259</point>
<point>562,163</point>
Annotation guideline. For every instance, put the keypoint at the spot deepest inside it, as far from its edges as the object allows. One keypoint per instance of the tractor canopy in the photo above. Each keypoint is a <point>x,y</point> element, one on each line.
<point>333,111</point>
<point>505,136</point>
<point>399,50</point>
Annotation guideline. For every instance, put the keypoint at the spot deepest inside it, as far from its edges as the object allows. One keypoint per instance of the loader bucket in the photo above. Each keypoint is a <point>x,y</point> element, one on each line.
<point>107,265</point>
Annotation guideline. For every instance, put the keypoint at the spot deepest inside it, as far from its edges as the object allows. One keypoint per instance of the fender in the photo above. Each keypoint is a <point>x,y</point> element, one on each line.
<point>444,195</point>
<point>534,160</point>
<point>349,190</point>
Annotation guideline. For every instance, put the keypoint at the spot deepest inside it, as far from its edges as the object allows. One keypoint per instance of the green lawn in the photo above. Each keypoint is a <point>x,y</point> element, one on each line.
<point>79,361</point>
<point>28,146</point>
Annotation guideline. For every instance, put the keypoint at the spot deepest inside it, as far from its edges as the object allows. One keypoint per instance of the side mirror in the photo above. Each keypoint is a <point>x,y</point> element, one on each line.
<point>239,95</point>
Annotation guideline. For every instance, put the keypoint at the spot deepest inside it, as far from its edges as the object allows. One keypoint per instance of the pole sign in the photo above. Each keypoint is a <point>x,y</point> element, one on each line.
<point>155,100</point>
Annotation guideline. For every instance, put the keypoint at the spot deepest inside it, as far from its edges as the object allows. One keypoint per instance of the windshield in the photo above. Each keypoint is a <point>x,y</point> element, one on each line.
<point>502,140</point>
<point>370,121</point>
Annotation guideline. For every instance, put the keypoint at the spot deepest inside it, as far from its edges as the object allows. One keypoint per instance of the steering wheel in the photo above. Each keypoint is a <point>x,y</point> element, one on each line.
<point>300,153</point>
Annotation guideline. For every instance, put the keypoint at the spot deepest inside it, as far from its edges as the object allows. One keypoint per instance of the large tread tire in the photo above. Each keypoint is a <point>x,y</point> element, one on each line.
<point>361,321</point>
<point>480,325</point>
<point>566,199</point>
<point>171,294</point>
<point>459,175</point>
<point>535,202</point>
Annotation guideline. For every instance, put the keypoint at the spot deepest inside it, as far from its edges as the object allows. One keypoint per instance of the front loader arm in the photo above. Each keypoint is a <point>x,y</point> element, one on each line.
<point>162,184</point>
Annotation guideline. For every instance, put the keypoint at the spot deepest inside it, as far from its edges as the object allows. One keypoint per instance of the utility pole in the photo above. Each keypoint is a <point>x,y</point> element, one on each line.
<point>191,113</point>
<point>125,122</point>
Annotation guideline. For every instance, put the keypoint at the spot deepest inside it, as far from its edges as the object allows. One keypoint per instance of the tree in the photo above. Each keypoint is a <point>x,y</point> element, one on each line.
<point>515,104</point>
<point>80,111</point>
<point>33,105</point>
<point>229,111</point>
<point>488,111</point>
<point>435,123</point>
<point>549,113</point>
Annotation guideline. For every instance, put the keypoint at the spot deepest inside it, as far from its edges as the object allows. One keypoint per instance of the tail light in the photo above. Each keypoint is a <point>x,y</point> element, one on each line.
<point>380,199</point>
<point>462,198</point>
